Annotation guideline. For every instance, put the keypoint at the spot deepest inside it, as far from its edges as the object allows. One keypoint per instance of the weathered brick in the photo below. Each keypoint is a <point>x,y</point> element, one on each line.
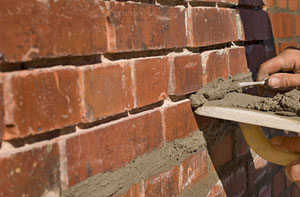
<point>166,184</point>
<point>30,171</point>
<point>179,120</point>
<point>221,151</point>
<point>217,191</point>
<point>279,183</point>
<point>210,26</point>
<point>265,191</point>
<point>151,80</point>
<point>256,24</point>
<point>39,29</point>
<point>110,146</point>
<point>185,74</point>
<point>1,112</point>
<point>215,64</point>
<point>128,32</point>
<point>283,45</point>
<point>297,18</point>
<point>281,3</point>
<point>242,147</point>
<point>235,2</point>
<point>193,169</point>
<point>293,5</point>
<point>236,183</point>
<point>237,61</point>
<point>108,89</point>
<point>269,3</point>
<point>257,170</point>
<point>40,100</point>
<point>134,191</point>
<point>283,25</point>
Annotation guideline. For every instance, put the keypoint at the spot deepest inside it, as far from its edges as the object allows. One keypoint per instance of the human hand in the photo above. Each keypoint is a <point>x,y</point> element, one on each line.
<point>287,61</point>
<point>289,144</point>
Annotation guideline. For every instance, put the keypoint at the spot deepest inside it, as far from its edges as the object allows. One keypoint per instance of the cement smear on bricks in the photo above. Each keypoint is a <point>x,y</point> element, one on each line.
<point>227,93</point>
<point>151,164</point>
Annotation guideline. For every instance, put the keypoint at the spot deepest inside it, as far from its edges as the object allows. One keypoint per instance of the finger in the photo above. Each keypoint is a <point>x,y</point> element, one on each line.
<point>286,144</point>
<point>284,80</point>
<point>286,61</point>
<point>292,172</point>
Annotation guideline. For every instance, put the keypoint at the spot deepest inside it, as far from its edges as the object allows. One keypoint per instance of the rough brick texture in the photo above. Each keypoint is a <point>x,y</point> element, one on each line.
<point>209,26</point>
<point>76,31</point>
<point>41,100</point>
<point>128,32</point>
<point>108,147</point>
<point>121,96</point>
<point>30,171</point>
<point>185,74</point>
<point>108,89</point>
<point>179,121</point>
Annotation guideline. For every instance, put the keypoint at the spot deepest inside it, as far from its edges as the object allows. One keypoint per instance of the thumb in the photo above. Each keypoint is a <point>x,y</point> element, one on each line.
<point>284,80</point>
<point>286,144</point>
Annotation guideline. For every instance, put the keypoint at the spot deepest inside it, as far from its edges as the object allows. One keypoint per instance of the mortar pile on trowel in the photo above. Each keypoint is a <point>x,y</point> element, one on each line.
<point>223,99</point>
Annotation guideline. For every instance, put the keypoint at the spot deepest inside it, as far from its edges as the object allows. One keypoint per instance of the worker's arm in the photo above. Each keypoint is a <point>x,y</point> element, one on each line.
<point>287,61</point>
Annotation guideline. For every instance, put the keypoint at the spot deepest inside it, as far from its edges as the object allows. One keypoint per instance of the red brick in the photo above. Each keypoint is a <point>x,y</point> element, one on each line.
<point>110,146</point>
<point>236,183</point>
<point>269,3</point>
<point>283,25</point>
<point>128,32</point>
<point>279,183</point>
<point>293,5</point>
<point>215,64</point>
<point>39,29</point>
<point>265,191</point>
<point>237,61</point>
<point>179,120</point>
<point>217,191</point>
<point>221,151</point>
<point>40,100</point>
<point>193,170</point>
<point>1,112</point>
<point>210,26</point>
<point>297,18</point>
<point>108,89</point>
<point>151,79</point>
<point>295,192</point>
<point>242,147</point>
<point>256,24</point>
<point>281,3</point>
<point>30,171</point>
<point>166,184</point>
<point>283,45</point>
<point>134,191</point>
<point>185,74</point>
<point>257,170</point>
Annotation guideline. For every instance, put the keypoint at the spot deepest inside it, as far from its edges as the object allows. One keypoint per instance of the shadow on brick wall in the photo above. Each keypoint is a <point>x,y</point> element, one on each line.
<point>240,171</point>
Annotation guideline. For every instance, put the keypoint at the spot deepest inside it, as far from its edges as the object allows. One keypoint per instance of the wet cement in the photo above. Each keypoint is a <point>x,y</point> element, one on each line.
<point>227,93</point>
<point>151,164</point>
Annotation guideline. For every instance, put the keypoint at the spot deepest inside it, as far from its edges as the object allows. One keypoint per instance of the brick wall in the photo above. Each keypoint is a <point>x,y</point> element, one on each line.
<point>95,96</point>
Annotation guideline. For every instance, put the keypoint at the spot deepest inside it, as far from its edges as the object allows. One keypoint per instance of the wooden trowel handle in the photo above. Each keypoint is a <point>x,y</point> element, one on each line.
<point>263,147</point>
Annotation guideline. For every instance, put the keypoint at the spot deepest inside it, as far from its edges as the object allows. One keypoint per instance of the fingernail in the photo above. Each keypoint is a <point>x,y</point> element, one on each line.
<point>274,82</point>
<point>276,141</point>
